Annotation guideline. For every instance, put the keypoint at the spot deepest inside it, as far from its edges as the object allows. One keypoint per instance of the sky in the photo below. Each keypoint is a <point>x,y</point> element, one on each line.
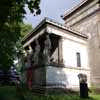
<point>52,9</point>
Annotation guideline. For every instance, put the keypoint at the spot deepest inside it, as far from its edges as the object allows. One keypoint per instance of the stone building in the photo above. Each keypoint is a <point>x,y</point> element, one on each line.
<point>74,47</point>
<point>85,18</point>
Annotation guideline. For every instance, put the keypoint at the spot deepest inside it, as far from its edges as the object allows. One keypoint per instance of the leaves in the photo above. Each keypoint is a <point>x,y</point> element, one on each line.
<point>25,29</point>
<point>11,15</point>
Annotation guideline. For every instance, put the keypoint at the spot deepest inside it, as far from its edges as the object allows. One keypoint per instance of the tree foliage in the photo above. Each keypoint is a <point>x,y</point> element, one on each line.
<point>25,29</point>
<point>11,15</point>
<point>14,9</point>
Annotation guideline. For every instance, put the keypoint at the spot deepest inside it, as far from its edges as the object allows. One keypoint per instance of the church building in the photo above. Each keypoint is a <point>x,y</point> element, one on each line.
<point>67,50</point>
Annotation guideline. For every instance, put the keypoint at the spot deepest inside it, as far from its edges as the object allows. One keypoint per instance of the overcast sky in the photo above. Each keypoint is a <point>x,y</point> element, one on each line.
<point>52,9</point>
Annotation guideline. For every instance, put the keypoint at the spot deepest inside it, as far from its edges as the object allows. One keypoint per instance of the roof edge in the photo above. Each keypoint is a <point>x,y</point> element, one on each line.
<point>53,22</point>
<point>67,13</point>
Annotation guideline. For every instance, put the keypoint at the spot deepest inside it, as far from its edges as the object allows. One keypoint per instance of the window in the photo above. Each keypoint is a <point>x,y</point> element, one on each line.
<point>78,59</point>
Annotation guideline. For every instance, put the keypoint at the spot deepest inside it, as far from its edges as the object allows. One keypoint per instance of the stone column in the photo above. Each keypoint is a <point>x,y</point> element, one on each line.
<point>36,53</point>
<point>60,56</point>
<point>47,50</point>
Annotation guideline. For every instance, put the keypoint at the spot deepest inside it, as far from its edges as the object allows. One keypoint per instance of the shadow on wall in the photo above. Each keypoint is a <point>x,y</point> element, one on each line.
<point>56,77</point>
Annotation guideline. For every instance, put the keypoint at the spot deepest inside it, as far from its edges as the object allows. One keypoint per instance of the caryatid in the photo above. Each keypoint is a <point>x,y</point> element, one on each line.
<point>36,53</point>
<point>47,49</point>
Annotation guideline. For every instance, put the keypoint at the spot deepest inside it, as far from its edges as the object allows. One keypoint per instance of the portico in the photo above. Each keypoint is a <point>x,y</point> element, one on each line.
<point>56,47</point>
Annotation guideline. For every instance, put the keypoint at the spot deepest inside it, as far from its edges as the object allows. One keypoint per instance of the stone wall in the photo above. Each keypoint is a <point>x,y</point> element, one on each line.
<point>70,48</point>
<point>64,77</point>
<point>39,77</point>
<point>88,22</point>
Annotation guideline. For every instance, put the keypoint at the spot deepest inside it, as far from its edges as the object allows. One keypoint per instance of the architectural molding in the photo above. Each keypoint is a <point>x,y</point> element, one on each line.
<point>79,6</point>
<point>47,21</point>
<point>33,38</point>
<point>83,13</point>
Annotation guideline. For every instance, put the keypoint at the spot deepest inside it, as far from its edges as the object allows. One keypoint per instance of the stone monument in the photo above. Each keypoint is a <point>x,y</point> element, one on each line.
<point>47,49</point>
<point>36,53</point>
<point>83,86</point>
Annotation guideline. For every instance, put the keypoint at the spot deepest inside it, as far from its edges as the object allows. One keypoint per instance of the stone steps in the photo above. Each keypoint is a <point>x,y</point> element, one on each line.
<point>38,90</point>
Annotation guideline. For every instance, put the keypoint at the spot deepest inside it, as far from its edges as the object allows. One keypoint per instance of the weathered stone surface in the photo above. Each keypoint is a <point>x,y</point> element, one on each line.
<point>88,22</point>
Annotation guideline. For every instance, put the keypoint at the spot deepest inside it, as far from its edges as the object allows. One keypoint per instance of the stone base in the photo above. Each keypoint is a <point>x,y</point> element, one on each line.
<point>55,78</point>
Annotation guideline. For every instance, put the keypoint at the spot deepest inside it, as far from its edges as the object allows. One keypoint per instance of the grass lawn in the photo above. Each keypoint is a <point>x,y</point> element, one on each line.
<point>9,93</point>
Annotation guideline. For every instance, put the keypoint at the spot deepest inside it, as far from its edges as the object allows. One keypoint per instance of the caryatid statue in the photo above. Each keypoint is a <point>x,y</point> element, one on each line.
<point>36,53</point>
<point>47,49</point>
<point>29,55</point>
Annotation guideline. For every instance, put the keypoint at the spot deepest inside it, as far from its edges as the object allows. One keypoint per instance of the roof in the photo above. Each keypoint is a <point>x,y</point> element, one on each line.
<point>67,13</point>
<point>50,21</point>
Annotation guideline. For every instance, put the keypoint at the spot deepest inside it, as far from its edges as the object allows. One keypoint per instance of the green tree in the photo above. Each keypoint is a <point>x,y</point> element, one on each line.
<point>25,29</point>
<point>11,15</point>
